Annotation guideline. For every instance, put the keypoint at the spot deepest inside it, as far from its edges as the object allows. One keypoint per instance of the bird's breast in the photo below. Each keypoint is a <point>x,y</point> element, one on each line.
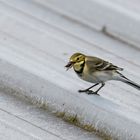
<point>95,76</point>
<point>88,76</point>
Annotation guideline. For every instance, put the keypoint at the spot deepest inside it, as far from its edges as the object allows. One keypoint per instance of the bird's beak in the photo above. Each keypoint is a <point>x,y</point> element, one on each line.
<point>69,65</point>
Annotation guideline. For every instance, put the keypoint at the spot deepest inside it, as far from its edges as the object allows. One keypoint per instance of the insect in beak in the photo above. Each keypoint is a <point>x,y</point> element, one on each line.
<point>69,65</point>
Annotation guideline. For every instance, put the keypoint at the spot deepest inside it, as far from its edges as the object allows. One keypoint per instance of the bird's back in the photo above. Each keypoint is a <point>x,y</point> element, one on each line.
<point>99,64</point>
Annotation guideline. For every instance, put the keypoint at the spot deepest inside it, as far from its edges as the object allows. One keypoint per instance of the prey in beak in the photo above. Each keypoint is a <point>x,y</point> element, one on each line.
<point>69,65</point>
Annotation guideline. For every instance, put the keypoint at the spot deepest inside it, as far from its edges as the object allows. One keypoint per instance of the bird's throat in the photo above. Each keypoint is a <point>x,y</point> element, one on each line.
<point>79,67</point>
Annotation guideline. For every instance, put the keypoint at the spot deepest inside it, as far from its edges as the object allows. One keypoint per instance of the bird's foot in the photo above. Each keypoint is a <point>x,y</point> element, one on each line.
<point>82,90</point>
<point>89,92</point>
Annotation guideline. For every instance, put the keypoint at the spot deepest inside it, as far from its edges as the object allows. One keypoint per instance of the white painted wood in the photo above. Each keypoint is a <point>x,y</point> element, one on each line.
<point>19,119</point>
<point>121,18</point>
<point>35,45</point>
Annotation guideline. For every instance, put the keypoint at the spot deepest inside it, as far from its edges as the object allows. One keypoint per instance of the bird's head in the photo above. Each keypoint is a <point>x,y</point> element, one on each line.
<point>76,60</point>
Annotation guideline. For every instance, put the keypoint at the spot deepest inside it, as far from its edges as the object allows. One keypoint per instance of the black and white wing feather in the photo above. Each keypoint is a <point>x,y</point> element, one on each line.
<point>96,63</point>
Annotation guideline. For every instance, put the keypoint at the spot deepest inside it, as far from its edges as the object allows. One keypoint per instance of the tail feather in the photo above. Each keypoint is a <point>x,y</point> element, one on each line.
<point>129,82</point>
<point>133,84</point>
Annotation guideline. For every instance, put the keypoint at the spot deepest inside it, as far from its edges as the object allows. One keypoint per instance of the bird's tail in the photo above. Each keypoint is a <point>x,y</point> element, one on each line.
<point>129,82</point>
<point>133,84</point>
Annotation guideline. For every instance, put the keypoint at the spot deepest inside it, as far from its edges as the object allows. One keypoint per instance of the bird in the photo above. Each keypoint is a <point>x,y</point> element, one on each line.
<point>96,70</point>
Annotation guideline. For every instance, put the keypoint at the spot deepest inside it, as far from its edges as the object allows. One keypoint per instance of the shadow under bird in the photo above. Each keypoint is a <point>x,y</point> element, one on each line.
<point>96,70</point>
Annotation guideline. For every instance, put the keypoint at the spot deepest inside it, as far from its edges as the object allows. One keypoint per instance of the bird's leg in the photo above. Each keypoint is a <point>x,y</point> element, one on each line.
<point>92,92</point>
<point>88,89</point>
<point>96,92</point>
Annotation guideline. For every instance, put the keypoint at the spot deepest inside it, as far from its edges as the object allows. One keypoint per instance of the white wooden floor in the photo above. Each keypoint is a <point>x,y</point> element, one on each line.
<point>36,42</point>
<point>21,120</point>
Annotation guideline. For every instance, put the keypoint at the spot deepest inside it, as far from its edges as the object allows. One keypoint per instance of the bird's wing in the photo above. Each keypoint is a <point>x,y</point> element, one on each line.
<point>96,63</point>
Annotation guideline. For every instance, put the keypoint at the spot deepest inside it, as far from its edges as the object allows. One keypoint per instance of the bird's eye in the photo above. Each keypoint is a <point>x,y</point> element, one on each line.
<point>78,58</point>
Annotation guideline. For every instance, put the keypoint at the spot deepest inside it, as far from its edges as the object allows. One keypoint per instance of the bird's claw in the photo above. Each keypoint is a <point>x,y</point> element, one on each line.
<point>82,90</point>
<point>89,92</point>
